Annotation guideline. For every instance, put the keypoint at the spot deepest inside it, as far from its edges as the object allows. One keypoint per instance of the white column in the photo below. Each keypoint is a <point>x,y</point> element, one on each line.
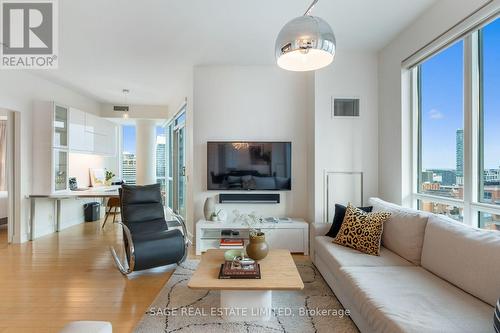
<point>246,305</point>
<point>146,151</point>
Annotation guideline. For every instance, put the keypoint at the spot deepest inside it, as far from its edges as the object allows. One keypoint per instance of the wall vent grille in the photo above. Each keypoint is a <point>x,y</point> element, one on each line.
<point>121,108</point>
<point>345,107</point>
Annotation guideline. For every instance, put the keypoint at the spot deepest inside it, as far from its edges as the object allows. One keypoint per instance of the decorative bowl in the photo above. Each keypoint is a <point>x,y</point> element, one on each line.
<point>229,255</point>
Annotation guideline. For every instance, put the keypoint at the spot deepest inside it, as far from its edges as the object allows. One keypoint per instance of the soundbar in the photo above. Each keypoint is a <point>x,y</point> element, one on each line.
<point>256,198</point>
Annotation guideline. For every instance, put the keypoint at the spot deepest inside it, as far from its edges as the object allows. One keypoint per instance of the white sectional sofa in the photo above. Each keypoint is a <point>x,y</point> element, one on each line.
<point>433,274</point>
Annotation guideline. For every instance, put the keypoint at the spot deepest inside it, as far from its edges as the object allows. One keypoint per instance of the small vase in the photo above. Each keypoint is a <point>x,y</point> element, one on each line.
<point>209,208</point>
<point>258,248</point>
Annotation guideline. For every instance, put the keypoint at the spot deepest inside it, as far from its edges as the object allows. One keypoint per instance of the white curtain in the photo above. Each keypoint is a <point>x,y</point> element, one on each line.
<point>3,153</point>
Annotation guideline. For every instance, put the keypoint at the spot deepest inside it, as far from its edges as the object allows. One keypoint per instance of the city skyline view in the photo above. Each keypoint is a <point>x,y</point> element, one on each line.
<point>129,163</point>
<point>442,128</point>
<point>442,102</point>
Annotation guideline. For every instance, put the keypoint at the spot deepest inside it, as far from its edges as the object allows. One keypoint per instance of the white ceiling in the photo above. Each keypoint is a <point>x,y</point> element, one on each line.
<point>151,46</point>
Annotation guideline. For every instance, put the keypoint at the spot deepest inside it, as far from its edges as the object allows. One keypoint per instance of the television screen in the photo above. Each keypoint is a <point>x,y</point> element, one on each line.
<point>249,166</point>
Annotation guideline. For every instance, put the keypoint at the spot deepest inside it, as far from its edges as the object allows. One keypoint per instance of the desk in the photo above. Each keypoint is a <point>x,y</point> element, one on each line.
<point>107,192</point>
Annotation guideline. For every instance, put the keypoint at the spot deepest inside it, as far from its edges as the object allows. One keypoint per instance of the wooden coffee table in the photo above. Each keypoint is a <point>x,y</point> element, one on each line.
<point>247,299</point>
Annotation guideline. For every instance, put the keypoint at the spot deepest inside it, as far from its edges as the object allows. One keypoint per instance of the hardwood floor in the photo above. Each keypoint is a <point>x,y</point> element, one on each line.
<point>71,276</point>
<point>3,236</point>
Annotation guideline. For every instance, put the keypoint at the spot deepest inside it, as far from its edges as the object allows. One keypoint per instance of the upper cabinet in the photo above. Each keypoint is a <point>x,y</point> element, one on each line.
<point>91,134</point>
<point>60,126</point>
<point>50,147</point>
<point>77,137</point>
<point>58,131</point>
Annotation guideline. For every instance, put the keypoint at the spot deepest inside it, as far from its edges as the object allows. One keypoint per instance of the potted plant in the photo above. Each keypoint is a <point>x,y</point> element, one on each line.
<point>108,177</point>
<point>215,216</point>
<point>257,247</point>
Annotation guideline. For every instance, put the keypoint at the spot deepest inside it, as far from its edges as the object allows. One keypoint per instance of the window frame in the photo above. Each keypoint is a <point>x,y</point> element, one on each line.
<point>473,145</point>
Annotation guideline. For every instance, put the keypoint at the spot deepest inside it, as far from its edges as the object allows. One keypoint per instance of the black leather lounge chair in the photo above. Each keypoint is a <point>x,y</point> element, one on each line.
<point>149,240</point>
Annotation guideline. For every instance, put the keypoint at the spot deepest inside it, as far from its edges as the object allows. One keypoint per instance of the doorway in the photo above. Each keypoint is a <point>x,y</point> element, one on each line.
<point>176,166</point>
<point>6,176</point>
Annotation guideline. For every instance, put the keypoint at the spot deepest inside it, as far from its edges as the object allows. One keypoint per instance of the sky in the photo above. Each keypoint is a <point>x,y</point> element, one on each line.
<point>442,102</point>
<point>129,137</point>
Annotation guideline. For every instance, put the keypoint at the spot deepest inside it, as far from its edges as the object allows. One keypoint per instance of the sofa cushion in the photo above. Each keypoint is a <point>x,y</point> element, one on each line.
<point>465,256</point>
<point>338,218</point>
<point>403,231</point>
<point>337,256</point>
<point>362,231</point>
<point>411,299</point>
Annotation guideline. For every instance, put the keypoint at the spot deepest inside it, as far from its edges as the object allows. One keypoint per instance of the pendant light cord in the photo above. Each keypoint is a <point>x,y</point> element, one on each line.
<point>310,8</point>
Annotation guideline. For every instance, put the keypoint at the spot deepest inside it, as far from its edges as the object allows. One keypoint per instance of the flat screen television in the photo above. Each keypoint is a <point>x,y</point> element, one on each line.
<point>249,166</point>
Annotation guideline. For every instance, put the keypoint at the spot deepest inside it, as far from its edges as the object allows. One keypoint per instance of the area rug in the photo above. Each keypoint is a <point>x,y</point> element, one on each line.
<point>180,309</point>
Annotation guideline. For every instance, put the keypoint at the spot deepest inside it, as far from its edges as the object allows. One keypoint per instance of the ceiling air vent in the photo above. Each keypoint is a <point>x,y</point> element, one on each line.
<point>345,107</point>
<point>120,108</point>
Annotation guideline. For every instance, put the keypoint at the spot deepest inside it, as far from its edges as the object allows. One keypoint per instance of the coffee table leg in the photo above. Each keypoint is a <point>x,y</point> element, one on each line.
<point>246,305</point>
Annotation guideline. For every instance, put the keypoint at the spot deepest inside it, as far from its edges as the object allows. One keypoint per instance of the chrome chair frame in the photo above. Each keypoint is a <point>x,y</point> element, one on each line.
<point>179,221</point>
<point>127,267</point>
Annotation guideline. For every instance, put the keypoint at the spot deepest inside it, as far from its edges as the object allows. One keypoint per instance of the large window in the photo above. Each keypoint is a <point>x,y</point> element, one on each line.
<point>441,123</point>
<point>129,159</point>
<point>129,162</point>
<point>457,141</point>
<point>176,155</point>
<point>489,120</point>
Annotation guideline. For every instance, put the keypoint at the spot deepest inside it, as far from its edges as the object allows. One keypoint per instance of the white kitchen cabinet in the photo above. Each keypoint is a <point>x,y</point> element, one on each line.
<point>59,130</point>
<point>60,115</point>
<point>60,161</point>
<point>91,134</point>
<point>77,137</point>
<point>91,123</point>
<point>50,147</point>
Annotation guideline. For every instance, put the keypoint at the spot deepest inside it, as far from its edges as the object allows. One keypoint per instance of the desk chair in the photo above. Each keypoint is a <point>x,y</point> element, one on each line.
<point>112,204</point>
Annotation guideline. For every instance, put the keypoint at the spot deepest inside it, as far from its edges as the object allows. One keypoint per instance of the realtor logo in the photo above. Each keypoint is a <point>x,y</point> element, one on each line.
<point>29,34</point>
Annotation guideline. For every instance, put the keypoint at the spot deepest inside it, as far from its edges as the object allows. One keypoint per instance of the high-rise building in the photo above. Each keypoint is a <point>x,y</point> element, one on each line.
<point>161,160</point>
<point>427,176</point>
<point>160,156</point>
<point>460,156</point>
<point>129,165</point>
<point>491,175</point>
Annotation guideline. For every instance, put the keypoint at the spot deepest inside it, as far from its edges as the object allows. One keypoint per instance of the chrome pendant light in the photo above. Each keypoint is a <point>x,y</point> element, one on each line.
<point>306,43</point>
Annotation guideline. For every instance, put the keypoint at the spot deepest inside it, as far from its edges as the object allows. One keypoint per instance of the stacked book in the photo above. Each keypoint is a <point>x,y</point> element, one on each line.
<point>232,270</point>
<point>231,243</point>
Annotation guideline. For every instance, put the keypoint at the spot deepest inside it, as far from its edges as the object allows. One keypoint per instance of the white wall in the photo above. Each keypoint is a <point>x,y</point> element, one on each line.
<point>344,144</point>
<point>394,124</point>
<point>253,103</point>
<point>79,165</point>
<point>18,90</point>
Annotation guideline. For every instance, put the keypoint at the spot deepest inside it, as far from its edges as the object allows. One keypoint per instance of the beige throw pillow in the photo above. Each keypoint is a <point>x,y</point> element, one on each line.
<point>362,231</point>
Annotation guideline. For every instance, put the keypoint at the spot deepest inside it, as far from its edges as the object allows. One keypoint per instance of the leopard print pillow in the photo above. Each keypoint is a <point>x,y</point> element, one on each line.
<point>362,231</point>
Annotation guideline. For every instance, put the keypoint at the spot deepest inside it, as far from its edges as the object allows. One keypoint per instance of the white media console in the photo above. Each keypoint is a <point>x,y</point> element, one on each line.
<point>293,235</point>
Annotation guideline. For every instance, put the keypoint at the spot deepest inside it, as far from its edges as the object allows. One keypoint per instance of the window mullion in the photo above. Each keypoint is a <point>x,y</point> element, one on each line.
<point>468,106</point>
<point>476,160</point>
<point>416,141</point>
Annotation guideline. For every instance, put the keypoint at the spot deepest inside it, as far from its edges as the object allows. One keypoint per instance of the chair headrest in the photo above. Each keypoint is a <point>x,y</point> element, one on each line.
<point>143,194</point>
